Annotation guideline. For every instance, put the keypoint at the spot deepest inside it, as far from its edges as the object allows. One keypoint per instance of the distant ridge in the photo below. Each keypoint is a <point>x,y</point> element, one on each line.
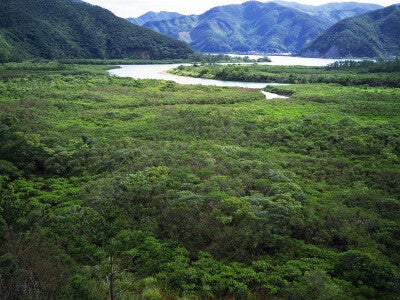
<point>267,27</point>
<point>374,34</point>
<point>251,26</point>
<point>75,29</point>
<point>154,16</point>
<point>332,12</point>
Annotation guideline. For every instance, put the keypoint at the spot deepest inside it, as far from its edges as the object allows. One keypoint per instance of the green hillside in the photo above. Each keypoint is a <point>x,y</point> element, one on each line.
<point>257,26</point>
<point>74,29</point>
<point>332,12</point>
<point>375,34</point>
<point>251,26</point>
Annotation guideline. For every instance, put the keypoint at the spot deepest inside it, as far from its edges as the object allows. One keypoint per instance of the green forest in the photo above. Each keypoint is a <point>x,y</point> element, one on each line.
<point>369,73</point>
<point>118,188</point>
<point>72,29</point>
<point>373,34</point>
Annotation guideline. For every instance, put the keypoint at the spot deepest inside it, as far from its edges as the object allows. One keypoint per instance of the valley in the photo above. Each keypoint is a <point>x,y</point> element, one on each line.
<point>173,177</point>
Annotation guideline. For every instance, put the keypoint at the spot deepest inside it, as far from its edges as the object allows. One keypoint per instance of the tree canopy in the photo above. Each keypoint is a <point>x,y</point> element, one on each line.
<point>75,29</point>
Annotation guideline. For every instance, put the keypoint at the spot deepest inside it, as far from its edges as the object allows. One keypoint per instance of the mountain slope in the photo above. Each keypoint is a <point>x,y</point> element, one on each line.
<point>332,12</point>
<point>74,29</point>
<point>375,34</point>
<point>154,16</point>
<point>251,26</point>
<point>256,26</point>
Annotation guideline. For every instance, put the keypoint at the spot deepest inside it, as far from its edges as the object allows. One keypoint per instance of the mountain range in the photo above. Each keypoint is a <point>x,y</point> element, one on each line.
<point>75,29</point>
<point>152,16</point>
<point>374,34</point>
<point>332,12</point>
<point>271,27</point>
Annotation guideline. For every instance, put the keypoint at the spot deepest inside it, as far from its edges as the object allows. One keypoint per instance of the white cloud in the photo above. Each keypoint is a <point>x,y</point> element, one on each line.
<point>135,8</point>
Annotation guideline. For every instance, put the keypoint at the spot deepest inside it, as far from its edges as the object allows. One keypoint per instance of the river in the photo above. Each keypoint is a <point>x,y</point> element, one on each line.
<point>160,72</point>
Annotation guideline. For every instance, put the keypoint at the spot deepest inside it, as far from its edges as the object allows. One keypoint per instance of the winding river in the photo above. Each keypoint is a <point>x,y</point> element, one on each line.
<point>160,72</point>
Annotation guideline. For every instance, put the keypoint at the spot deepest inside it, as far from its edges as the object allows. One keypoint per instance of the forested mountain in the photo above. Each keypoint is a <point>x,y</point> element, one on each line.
<point>256,26</point>
<point>332,12</point>
<point>74,29</point>
<point>374,34</point>
<point>251,26</point>
<point>154,16</point>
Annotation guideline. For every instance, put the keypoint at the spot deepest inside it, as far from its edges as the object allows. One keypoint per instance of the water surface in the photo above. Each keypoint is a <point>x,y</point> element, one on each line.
<point>160,72</point>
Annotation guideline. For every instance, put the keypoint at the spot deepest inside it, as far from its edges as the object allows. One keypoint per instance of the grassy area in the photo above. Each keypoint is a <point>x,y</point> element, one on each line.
<point>351,74</point>
<point>196,191</point>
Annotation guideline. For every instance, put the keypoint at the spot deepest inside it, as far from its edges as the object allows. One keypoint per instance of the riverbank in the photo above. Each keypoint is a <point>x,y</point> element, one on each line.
<point>162,72</point>
<point>368,73</point>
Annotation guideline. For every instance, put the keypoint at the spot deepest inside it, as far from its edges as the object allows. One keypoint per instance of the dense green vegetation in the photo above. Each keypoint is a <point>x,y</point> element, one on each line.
<point>75,29</point>
<point>345,73</point>
<point>374,34</point>
<point>145,188</point>
<point>332,12</point>
<point>196,58</point>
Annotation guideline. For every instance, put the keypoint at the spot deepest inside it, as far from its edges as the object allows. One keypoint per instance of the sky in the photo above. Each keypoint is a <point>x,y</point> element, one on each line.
<point>136,8</point>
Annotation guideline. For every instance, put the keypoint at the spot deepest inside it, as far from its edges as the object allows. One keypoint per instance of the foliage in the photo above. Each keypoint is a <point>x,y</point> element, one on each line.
<point>368,73</point>
<point>374,34</point>
<point>160,190</point>
<point>368,66</point>
<point>75,29</point>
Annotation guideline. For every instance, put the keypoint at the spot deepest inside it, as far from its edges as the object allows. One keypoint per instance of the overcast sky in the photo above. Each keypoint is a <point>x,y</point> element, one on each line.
<point>135,8</point>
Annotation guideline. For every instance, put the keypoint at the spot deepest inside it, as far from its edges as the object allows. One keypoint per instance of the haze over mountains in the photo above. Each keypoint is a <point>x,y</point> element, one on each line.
<point>75,29</point>
<point>272,27</point>
<point>154,16</point>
